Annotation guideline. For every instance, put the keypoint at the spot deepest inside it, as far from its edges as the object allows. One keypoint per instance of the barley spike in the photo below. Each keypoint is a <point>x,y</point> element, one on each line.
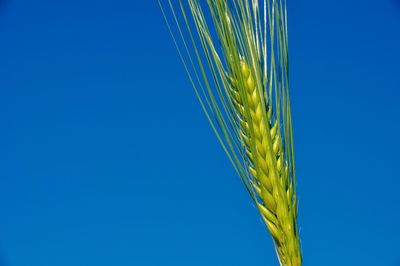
<point>277,205</point>
<point>237,63</point>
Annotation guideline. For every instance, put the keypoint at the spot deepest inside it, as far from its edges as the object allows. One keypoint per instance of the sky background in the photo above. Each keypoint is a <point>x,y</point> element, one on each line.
<point>107,159</point>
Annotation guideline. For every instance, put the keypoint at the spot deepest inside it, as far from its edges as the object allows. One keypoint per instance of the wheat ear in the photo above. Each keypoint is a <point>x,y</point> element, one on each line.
<point>242,85</point>
<point>268,167</point>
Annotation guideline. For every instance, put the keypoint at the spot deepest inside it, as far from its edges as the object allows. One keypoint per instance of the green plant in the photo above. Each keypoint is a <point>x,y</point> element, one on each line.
<point>237,61</point>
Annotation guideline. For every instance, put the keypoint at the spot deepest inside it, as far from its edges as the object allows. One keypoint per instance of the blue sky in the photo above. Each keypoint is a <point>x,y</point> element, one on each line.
<point>107,159</point>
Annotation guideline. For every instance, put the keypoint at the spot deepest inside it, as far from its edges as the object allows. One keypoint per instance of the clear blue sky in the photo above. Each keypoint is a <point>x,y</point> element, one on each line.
<point>106,159</point>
